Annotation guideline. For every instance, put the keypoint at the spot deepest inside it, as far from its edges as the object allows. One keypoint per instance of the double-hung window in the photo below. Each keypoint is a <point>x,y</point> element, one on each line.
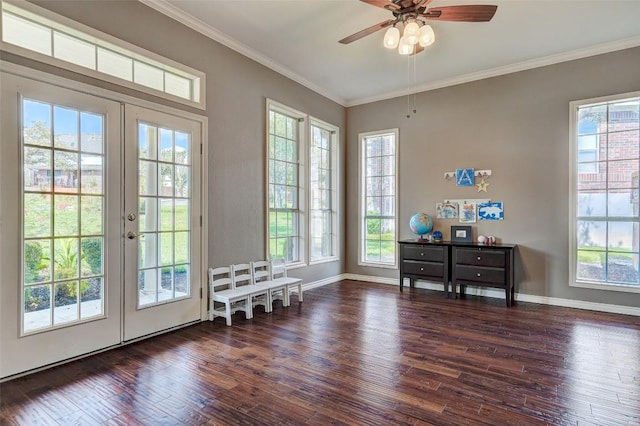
<point>378,191</point>
<point>302,187</point>
<point>322,194</point>
<point>605,155</point>
<point>285,141</point>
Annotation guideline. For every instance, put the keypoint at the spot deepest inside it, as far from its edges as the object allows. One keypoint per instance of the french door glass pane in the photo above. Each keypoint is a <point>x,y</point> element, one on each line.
<point>63,221</point>
<point>164,205</point>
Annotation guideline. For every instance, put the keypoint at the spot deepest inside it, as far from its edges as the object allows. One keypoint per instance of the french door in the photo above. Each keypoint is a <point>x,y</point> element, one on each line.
<point>162,221</point>
<point>99,223</point>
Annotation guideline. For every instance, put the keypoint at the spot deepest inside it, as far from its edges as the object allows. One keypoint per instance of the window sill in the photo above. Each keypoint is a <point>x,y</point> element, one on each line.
<point>624,288</point>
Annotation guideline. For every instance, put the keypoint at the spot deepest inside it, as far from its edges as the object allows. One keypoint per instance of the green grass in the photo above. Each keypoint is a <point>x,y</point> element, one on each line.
<point>39,223</point>
<point>590,256</point>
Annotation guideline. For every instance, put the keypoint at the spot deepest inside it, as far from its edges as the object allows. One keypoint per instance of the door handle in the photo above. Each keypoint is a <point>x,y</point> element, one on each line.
<point>131,235</point>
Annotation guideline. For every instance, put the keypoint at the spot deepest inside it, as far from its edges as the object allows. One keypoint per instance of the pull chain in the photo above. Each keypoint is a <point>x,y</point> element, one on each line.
<point>411,84</point>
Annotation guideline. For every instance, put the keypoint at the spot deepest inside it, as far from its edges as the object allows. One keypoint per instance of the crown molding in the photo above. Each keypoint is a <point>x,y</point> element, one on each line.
<point>599,49</point>
<point>195,24</point>
<point>166,8</point>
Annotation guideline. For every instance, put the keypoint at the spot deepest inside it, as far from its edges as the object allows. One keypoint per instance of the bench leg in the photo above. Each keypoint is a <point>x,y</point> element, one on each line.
<point>299,293</point>
<point>286,297</point>
<point>269,306</point>
<point>227,310</point>
<point>249,305</point>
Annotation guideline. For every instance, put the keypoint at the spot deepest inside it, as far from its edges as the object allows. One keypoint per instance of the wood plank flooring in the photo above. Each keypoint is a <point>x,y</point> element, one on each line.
<point>356,353</point>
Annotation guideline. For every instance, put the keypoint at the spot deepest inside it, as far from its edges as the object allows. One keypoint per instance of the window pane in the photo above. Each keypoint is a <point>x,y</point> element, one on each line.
<point>621,203</point>
<point>148,214</point>
<point>65,128</point>
<point>166,214</point>
<point>176,85</point>
<point>148,75</point>
<point>183,148</point>
<point>592,235</point>
<point>27,34</point>
<point>592,120</point>
<point>624,115</point>
<point>66,261</point>
<point>37,261</point>
<point>36,123</point>
<point>166,145</point>
<point>622,235</point>
<point>622,268</point>
<point>148,179</point>
<point>91,130</point>
<point>92,256</point>
<point>624,145</point>
<point>147,141</point>
<point>91,215</point>
<point>595,180</point>
<point>621,173</point>
<point>37,307</point>
<point>91,295</point>
<point>148,250</point>
<point>37,215</point>
<point>115,64</point>
<point>592,203</point>
<point>181,247</point>
<point>91,174</point>
<point>65,171</point>
<point>65,302</point>
<point>66,215</point>
<point>73,50</point>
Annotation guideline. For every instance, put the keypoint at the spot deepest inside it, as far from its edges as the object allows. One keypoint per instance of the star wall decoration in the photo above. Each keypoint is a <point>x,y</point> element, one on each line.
<point>482,186</point>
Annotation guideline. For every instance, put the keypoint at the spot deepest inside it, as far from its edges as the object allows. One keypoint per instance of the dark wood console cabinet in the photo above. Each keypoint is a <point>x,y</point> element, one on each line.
<point>483,266</point>
<point>424,261</point>
<point>459,264</point>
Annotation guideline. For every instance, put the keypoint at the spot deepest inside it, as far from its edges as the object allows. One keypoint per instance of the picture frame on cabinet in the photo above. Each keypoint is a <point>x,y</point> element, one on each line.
<point>461,234</point>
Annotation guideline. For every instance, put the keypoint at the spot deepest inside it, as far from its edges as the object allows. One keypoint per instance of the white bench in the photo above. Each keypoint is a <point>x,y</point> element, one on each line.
<point>242,286</point>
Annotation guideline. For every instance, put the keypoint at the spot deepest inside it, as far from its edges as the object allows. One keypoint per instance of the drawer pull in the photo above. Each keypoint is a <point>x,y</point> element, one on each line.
<point>422,269</point>
<point>478,274</point>
<point>421,254</point>
<point>479,258</point>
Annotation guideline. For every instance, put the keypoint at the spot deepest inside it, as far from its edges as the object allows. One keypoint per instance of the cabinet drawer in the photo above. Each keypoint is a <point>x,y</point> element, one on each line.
<point>428,269</point>
<point>480,257</point>
<point>493,276</point>
<point>429,254</point>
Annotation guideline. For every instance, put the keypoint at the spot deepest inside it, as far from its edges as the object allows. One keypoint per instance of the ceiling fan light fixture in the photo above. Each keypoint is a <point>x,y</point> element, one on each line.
<point>391,38</point>
<point>412,32</point>
<point>427,36</point>
<point>404,48</point>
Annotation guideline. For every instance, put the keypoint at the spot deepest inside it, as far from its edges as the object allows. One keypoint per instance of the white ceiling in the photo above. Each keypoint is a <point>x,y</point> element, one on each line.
<point>299,38</point>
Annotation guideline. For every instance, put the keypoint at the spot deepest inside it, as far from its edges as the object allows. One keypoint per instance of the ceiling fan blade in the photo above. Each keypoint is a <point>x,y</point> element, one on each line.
<point>469,13</point>
<point>382,3</point>
<point>421,3</point>
<point>367,31</point>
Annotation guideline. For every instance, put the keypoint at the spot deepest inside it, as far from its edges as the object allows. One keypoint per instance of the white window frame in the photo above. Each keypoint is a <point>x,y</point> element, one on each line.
<point>98,40</point>
<point>301,210</point>
<point>573,196</point>
<point>362,138</point>
<point>333,187</point>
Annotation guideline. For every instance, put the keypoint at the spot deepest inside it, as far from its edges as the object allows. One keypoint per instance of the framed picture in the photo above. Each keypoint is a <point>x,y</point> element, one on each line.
<point>461,234</point>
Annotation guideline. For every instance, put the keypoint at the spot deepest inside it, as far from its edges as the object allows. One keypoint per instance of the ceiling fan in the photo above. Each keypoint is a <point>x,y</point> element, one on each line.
<point>412,14</point>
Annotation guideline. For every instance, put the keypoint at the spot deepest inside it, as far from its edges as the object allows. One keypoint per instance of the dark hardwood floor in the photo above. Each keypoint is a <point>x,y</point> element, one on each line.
<point>356,353</point>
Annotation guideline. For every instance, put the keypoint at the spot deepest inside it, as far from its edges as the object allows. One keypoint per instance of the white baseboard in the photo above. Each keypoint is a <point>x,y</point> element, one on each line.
<point>500,294</point>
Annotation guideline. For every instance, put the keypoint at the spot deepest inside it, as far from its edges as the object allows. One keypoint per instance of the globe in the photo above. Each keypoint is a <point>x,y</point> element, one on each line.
<point>421,224</point>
